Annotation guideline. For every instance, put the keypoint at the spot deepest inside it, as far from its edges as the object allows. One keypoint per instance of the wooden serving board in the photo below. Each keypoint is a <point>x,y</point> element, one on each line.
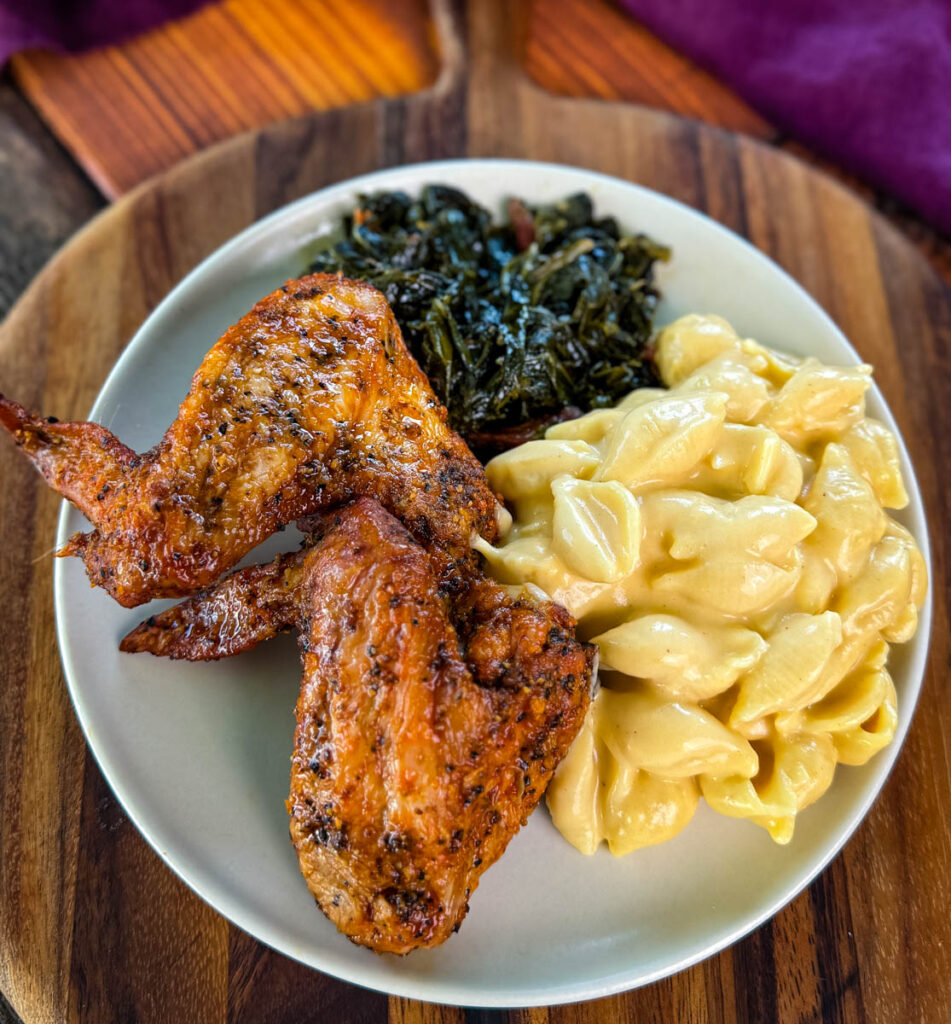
<point>93,927</point>
<point>135,108</point>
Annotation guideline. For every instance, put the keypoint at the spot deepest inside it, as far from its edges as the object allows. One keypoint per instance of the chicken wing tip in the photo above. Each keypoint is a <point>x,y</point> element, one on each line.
<point>13,416</point>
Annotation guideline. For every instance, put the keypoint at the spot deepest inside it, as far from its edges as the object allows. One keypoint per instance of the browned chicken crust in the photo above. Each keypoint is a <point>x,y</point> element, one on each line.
<point>432,714</point>
<point>309,400</point>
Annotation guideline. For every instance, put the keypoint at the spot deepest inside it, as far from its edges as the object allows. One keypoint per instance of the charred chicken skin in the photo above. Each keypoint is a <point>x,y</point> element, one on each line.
<point>434,706</point>
<point>433,710</point>
<point>311,399</point>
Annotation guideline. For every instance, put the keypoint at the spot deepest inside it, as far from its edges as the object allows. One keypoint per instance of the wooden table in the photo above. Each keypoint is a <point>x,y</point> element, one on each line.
<point>870,940</point>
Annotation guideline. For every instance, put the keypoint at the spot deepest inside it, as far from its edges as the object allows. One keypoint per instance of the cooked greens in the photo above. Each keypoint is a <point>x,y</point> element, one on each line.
<point>513,324</point>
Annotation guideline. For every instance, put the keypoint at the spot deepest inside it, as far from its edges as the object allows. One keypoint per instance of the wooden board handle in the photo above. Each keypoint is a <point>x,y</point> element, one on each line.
<point>481,43</point>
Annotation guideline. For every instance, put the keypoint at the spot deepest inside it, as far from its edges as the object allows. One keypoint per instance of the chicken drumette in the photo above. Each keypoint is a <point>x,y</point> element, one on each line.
<point>433,710</point>
<point>311,399</point>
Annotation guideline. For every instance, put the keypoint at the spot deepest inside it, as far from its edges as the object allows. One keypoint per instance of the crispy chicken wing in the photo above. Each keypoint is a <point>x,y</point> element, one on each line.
<point>431,716</point>
<point>309,400</point>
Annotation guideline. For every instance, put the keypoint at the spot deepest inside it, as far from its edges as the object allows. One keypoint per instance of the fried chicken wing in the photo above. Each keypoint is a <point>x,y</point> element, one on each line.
<point>432,714</point>
<point>310,399</point>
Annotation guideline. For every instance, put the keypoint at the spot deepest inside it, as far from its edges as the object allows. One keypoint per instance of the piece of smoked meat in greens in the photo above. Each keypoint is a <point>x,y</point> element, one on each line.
<point>430,718</point>
<point>512,323</point>
<point>309,400</point>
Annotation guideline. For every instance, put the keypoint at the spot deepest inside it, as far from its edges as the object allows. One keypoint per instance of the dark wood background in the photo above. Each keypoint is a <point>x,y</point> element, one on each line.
<point>136,108</point>
<point>92,926</point>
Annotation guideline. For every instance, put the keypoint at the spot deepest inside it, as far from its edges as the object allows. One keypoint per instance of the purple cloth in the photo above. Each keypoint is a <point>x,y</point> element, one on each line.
<point>80,24</point>
<point>865,82</point>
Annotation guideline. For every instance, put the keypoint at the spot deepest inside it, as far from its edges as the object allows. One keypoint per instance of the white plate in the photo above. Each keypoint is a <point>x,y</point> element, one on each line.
<point>198,754</point>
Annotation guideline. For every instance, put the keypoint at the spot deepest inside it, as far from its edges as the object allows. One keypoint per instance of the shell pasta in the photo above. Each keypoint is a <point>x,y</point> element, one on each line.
<point>725,544</point>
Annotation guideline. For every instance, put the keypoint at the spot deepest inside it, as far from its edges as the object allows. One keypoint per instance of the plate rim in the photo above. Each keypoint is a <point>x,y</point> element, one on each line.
<point>432,988</point>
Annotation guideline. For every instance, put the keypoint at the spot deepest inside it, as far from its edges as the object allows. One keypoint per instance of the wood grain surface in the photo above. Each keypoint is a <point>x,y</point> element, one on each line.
<point>94,928</point>
<point>133,109</point>
<point>136,108</point>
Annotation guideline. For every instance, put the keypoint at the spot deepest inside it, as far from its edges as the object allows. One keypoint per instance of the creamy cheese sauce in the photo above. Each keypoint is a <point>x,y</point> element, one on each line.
<point>725,545</point>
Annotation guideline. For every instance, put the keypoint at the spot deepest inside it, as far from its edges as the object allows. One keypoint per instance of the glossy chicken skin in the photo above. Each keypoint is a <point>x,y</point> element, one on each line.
<point>431,717</point>
<point>309,400</point>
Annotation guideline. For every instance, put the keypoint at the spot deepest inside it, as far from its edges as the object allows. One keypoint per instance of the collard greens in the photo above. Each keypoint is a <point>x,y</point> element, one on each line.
<point>516,325</point>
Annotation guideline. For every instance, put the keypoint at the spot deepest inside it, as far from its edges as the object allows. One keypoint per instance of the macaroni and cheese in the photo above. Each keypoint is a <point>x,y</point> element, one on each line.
<point>725,545</point>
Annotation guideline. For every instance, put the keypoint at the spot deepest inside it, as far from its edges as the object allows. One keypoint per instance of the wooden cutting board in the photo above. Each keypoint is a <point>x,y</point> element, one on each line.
<point>93,927</point>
